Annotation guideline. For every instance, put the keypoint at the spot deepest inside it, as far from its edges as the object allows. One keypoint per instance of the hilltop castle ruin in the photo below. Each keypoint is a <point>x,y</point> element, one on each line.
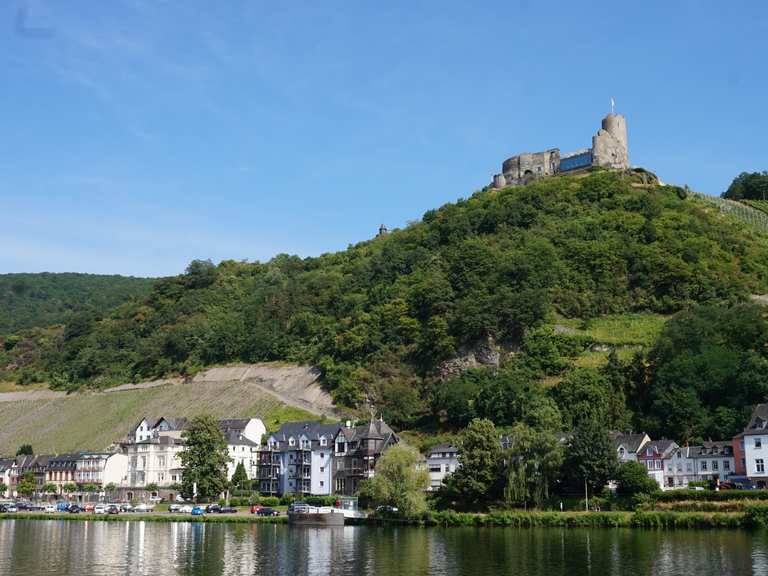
<point>609,150</point>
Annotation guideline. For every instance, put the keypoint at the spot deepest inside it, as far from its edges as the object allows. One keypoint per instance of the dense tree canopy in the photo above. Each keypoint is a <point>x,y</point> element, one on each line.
<point>706,371</point>
<point>399,482</point>
<point>748,186</point>
<point>40,300</point>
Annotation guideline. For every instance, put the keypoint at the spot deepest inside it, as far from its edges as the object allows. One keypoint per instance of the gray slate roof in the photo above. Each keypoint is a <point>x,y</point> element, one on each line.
<point>631,442</point>
<point>758,423</point>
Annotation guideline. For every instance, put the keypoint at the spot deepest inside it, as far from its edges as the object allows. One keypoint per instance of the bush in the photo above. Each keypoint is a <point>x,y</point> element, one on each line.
<point>711,495</point>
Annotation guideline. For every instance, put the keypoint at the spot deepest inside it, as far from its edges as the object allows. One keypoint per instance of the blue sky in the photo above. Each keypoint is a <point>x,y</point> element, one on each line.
<point>140,135</point>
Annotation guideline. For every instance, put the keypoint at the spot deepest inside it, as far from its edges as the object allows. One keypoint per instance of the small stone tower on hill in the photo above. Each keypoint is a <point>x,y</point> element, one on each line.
<point>609,145</point>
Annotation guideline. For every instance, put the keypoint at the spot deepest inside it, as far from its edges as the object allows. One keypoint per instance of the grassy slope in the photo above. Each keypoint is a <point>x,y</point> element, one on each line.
<point>93,421</point>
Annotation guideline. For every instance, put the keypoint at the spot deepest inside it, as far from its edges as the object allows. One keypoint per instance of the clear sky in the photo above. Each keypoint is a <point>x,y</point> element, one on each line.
<point>139,135</point>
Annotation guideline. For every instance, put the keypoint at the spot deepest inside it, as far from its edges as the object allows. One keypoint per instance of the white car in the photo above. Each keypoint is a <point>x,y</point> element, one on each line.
<point>100,509</point>
<point>143,508</point>
<point>186,509</point>
<point>50,508</point>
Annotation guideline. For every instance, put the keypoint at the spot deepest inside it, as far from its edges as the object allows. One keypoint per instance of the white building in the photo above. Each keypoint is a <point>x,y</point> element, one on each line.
<point>298,459</point>
<point>442,460</point>
<point>756,446</point>
<point>154,461</point>
<point>680,466</point>
<point>101,468</point>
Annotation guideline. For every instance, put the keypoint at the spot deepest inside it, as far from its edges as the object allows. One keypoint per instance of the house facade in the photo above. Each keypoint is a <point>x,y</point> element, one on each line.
<point>442,460</point>
<point>154,461</point>
<point>298,459</point>
<point>61,471</point>
<point>653,456</point>
<point>755,438</point>
<point>101,468</point>
<point>356,451</point>
<point>714,461</point>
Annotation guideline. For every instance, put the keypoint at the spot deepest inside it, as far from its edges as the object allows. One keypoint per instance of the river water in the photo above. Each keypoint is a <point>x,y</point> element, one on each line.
<point>61,547</point>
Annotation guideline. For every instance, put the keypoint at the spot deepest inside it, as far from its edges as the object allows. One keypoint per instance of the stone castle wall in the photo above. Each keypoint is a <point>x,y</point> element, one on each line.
<point>609,150</point>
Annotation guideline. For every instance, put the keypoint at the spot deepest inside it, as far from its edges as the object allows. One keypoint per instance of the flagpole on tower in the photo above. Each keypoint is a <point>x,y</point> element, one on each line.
<point>613,105</point>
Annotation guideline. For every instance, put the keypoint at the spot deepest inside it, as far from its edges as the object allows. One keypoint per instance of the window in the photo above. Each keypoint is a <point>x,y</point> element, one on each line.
<point>689,467</point>
<point>322,469</point>
<point>291,441</point>
<point>658,465</point>
<point>760,465</point>
<point>715,465</point>
<point>323,441</point>
<point>679,466</point>
<point>649,451</point>
<point>703,464</point>
<point>435,469</point>
<point>621,452</point>
<point>758,443</point>
<point>726,465</point>
<point>322,483</point>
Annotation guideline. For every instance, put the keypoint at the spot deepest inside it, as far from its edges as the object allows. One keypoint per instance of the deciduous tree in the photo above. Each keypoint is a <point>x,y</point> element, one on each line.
<point>204,459</point>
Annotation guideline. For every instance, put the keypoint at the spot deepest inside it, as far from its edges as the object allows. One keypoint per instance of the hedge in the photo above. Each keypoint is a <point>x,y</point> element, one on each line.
<point>711,495</point>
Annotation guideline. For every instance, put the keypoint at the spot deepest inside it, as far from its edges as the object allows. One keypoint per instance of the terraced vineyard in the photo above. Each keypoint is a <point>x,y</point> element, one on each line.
<point>761,205</point>
<point>744,210</point>
<point>94,421</point>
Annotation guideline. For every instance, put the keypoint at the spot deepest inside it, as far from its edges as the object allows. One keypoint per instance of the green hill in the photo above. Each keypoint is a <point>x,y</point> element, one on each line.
<point>601,259</point>
<point>40,300</point>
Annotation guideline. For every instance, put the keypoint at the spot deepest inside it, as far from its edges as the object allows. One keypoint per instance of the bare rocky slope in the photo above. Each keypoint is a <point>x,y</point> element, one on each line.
<point>57,422</point>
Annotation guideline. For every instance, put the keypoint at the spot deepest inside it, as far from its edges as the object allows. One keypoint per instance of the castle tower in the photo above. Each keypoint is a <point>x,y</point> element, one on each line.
<point>609,145</point>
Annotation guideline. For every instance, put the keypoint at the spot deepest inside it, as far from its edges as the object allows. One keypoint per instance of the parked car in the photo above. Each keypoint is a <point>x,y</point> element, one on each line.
<point>227,510</point>
<point>143,508</point>
<point>212,509</point>
<point>50,509</point>
<point>255,508</point>
<point>387,510</point>
<point>36,507</point>
<point>89,506</point>
<point>186,509</point>
<point>62,506</point>
<point>8,508</point>
<point>198,511</point>
<point>22,506</point>
<point>267,512</point>
<point>113,509</point>
<point>126,508</point>
<point>74,509</point>
<point>174,508</point>
<point>156,499</point>
<point>100,509</point>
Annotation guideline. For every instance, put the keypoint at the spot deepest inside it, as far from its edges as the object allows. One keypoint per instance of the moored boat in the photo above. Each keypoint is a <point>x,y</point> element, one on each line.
<point>301,514</point>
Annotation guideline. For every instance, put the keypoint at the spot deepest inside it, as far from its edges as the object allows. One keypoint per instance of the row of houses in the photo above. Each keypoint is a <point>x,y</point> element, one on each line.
<point>299,458</point>
<point>321,459</point>
<point>742,459</point>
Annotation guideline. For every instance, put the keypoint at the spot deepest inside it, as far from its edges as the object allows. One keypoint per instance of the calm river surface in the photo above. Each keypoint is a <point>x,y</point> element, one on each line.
<point>119,548</point>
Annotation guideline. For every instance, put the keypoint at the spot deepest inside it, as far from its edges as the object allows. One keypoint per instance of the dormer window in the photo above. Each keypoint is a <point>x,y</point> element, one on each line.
<point>291,441</point>
<point>649,452</point>
<point>758,442</point>
<point>621,452</point>
<point>323,441</point>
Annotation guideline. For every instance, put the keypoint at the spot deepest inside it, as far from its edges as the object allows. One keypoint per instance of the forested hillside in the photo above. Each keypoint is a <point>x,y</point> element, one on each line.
<point>40,300</point>
<point>504,268</point>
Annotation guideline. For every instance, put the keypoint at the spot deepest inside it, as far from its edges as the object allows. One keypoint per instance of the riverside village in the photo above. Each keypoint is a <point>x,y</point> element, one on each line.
<point>319,471</point>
